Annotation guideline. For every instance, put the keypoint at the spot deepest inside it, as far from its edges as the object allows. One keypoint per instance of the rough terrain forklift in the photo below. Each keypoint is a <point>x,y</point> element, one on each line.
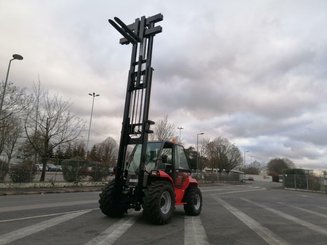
<point>155,176</point>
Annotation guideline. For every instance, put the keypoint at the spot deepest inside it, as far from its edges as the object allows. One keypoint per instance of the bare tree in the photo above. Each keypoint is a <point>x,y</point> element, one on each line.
<point>3,134</point>
<point>223,155</point>
<point>37,95</point>
<point>53,126</point>
<point>13,130</point>
<point>105,152</point>
<point>164,130</point>
<point>276,166</point>
<point>16,100</point>
<point>252,168</point>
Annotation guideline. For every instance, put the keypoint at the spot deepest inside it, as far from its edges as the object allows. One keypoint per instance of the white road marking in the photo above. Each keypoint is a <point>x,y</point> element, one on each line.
<point>217,190</point>
<point>45,215</point>
<point>239,191</point>
<point>231,188</point>
<point>220,186</point>
<point>29,230</point>
<point>263,232</point>
<point>290,217</point>
<point>45,205</point>
<point>113,233</point>
<point>194,233</point>
<point>305,210</point>
<point>322,207</point>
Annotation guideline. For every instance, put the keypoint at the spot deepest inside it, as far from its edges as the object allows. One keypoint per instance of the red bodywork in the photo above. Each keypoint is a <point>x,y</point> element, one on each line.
<point>183,181</point>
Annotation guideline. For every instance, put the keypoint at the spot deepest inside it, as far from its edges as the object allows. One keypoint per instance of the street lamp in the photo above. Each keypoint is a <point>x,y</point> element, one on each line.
<point>88,135</point>
<point>15,57</point>
<point>197,150</point>
<point>180,134</point>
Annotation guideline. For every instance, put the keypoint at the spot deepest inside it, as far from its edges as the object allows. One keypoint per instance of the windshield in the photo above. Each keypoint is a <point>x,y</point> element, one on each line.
<point>152,152</point>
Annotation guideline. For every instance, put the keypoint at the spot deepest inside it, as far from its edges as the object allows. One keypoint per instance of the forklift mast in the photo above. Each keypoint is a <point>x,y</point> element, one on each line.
<point>136,125</point>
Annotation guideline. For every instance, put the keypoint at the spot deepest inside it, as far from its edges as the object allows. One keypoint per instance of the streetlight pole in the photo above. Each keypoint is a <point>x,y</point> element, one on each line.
<point>88,135</point>
<point>180,134</point>
<point>197,150</point>
<point>15,57</point>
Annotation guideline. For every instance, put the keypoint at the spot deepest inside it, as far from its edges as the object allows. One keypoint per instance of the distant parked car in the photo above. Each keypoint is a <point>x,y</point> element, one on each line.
<point>250,178</point>
<point>53,168</point>
<point>39,167</point>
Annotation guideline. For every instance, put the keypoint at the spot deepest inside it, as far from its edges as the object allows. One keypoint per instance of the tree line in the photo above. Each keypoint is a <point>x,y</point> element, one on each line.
<point>222,155</point>
<point>40,126</point>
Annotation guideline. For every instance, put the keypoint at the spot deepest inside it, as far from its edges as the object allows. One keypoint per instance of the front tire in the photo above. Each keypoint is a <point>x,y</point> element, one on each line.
<point>159,202</point>
<point>193,199</point>
<point>112,201</point>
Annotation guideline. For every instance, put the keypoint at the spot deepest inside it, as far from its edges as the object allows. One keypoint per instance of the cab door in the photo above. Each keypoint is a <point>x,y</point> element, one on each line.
<point>181,166</point>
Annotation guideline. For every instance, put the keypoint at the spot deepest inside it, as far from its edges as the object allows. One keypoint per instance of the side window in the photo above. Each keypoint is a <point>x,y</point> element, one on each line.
<point>181,160</point>
<point>167,155</point>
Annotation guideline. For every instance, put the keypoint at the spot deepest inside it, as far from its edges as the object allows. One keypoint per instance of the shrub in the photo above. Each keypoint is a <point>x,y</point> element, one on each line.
<point>74,169</point>
<point>4,168</point>
<point>99,171</point>
<point>22,173</point>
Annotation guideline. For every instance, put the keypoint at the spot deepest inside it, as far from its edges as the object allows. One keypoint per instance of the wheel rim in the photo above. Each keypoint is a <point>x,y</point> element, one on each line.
<point>197,201</point>
<point>165,202</point>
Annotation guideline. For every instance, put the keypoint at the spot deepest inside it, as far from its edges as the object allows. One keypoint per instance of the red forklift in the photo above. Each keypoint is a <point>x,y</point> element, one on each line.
<point>156,176</point>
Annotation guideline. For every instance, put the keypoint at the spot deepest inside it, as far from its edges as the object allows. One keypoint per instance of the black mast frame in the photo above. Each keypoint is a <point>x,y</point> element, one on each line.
<point>136,125</point>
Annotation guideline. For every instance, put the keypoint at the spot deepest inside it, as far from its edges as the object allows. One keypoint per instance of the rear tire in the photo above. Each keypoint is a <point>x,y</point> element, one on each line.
<point>112,201</point>
<point>193,199</point>
<point>159,202</point>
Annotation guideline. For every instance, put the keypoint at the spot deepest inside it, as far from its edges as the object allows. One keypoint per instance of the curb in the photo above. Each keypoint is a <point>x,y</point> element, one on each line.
<point>41,191</point>
<point>46,187</point>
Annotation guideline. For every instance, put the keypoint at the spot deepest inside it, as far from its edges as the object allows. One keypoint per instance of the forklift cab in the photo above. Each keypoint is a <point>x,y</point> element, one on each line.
<point>175,163</point>
<point>166,156</point>
<point>172,157</point>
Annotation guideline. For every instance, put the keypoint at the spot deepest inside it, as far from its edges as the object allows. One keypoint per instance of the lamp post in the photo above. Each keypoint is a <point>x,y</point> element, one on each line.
<point>88,135</point>
<point>197,150</point>
<point>180,134</point>
<point>15,57</point>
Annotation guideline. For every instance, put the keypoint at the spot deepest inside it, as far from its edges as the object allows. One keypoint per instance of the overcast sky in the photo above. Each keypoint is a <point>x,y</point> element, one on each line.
<point>254,72</point>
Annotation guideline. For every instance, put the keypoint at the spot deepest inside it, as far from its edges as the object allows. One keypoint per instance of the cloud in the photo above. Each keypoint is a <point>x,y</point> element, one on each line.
<point>254,72</point>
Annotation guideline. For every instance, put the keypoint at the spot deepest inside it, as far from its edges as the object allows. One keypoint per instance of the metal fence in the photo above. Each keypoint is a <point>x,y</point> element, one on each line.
<point>50,176</point>
<point>57,176</point>
<point>216,177</point>
<point>71,170</point>
<point>306,182</point>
